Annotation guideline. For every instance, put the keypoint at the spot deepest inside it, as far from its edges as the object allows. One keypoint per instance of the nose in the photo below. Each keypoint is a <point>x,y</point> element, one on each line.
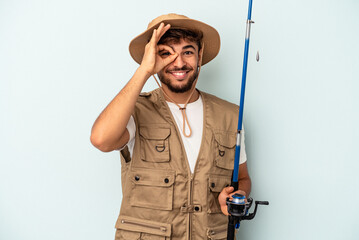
<point>178,62</point>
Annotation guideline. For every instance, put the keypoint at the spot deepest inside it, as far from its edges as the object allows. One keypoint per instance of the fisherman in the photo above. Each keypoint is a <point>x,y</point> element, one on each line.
<point>176,143</point>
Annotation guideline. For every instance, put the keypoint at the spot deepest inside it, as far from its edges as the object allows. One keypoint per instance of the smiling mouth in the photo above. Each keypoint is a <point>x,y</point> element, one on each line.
<point>179,75</point>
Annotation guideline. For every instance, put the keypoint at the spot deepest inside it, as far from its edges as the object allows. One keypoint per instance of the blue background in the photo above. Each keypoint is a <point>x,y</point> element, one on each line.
<point>61,62</point>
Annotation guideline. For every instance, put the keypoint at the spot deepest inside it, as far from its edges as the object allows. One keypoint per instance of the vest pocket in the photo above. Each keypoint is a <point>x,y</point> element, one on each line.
<point>215,186</point>
<point>152,188</point>
<point>225,149</point>
<point>154,143</point>
<point>129,228</point>
<point>217,233</point>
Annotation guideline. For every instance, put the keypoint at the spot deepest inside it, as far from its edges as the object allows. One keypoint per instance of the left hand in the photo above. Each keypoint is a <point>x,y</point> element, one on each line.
<point>228,192</point>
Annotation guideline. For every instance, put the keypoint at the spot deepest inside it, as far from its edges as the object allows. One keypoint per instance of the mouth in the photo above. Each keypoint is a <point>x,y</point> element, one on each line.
<point>179,75</point>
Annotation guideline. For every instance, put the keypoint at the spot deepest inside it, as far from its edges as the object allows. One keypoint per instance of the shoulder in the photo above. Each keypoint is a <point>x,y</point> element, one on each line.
<point>152,96</point>
<point>150,107</point>
<point>150,100</point>
<point>221,115</point>
<point>219,104</point>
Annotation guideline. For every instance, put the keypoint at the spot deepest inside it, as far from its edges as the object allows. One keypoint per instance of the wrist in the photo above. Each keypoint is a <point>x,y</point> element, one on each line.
<point>143,72</point>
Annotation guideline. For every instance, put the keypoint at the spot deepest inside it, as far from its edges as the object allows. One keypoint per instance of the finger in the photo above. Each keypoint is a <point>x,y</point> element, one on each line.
<point>153,38</point>
<point>164,30</point>
<point>162,62</point>
<point>225,210</point>
<point>239,192</point>
<point>159,29</point>
<point>151,43</point>
<point>169,59</point>
<point>162,47</point>
<point>229,189</point>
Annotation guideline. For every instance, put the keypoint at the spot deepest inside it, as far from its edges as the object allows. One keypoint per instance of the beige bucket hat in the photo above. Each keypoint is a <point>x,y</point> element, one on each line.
<point>211,39</point>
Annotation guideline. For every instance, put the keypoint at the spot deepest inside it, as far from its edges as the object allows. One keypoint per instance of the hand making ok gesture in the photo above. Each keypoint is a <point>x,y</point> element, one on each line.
<point>152,63</point>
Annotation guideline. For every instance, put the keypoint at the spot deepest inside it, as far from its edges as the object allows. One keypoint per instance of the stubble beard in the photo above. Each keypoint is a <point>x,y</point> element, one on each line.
<point>178,89</point>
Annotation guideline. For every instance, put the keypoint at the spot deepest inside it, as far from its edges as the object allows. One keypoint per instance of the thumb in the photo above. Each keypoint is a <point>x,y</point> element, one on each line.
<point>228,190</point>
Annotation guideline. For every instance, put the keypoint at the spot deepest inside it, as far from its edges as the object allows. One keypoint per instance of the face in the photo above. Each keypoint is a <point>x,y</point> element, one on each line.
<point>179,75</point>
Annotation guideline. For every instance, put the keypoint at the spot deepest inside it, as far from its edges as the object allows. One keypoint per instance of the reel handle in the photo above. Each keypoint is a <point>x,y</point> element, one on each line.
<point>262,203</point>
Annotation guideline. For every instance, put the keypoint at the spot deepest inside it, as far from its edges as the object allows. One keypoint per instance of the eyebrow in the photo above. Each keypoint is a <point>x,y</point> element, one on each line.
<point>188,46</point>
<point>184,48</point>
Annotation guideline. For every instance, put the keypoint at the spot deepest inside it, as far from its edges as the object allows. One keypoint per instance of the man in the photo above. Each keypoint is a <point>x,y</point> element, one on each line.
<point>176,143</point>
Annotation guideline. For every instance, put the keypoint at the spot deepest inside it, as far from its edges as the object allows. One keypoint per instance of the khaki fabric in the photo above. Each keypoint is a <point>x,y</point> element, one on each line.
<point>161,198</point>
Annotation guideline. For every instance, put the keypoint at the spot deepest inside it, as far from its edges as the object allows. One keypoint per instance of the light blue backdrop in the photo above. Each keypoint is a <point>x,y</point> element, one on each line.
<point>61,62</point>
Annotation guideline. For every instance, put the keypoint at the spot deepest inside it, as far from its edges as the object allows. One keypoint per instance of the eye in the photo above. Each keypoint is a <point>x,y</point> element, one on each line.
<point>188,53</point>
<point>164,54</point>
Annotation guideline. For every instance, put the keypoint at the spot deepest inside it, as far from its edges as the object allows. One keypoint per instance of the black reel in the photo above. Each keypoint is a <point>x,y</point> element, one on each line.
<point>238,209</point>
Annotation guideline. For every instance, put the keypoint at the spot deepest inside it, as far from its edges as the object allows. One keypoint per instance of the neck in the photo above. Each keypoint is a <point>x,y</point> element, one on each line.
<point>180,98</point>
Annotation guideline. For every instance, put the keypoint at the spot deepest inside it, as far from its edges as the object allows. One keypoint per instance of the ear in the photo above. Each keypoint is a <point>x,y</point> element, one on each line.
<point>199,61</point>
<point>200,55</point>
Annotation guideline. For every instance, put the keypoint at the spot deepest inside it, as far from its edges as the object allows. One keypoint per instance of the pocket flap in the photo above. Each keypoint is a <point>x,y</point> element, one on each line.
<point>143,226</point>
<point>154,133</point>
<point>217,233</point>
<point>153,177</point>
<point>226,139</point>
<point>217,183</point>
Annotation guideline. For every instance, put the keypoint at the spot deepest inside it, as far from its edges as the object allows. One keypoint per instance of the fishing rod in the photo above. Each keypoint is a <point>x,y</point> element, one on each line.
<point>237,206</point>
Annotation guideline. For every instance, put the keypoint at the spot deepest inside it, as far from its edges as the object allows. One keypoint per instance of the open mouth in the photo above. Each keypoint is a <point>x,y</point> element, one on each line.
<point>179,74</point>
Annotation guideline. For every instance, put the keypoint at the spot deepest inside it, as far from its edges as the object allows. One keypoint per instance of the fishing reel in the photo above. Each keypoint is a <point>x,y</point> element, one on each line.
<point>238,209</point>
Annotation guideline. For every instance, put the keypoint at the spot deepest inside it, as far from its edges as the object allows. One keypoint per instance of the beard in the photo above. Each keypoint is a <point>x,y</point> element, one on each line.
<point>178,89</point>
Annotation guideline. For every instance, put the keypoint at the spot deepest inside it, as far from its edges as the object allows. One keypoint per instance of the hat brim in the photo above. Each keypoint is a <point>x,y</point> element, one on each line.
<point>211,38</point>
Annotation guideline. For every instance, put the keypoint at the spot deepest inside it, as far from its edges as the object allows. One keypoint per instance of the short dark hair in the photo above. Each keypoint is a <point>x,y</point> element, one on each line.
<point>175,35</point>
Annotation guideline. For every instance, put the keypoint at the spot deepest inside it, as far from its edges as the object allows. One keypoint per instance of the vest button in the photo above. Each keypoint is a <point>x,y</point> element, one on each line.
<point>196,209</point>
<point>137,178</point>
<point>213,184</point>
<point>166,180</point>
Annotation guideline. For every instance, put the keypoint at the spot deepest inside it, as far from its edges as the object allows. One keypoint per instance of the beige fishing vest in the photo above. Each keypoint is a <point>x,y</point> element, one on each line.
<point>161,198</point>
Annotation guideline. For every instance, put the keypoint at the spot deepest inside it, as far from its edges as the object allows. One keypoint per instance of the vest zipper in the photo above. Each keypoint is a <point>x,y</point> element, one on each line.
<point>190,197</point>
<point>161,228</point>
<point>190,202</point>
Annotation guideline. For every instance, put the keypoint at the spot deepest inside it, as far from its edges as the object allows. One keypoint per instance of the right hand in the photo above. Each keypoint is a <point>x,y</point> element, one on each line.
<point>152,63</point>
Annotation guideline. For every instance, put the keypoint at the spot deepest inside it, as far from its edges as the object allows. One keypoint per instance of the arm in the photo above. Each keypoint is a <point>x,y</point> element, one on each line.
<point>244,181</point>
<point>244,187</point>
<point>109,130</point>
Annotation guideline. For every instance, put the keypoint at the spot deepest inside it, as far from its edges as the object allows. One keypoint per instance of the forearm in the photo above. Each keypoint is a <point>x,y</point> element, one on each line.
<point>244,181</point>
<point>108,131</point>
<point>245,184</point>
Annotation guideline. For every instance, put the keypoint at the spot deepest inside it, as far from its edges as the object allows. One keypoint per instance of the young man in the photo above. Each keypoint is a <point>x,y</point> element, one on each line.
<point>176,143</point>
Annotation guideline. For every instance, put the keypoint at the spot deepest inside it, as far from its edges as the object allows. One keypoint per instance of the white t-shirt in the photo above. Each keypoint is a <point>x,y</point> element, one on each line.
<point>192,144</point>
